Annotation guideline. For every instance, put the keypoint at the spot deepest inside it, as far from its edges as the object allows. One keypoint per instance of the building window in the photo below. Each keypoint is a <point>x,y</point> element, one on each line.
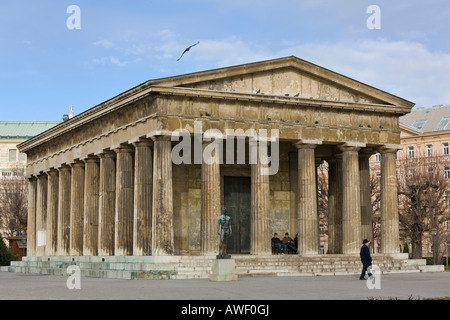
<point>429,150</point>
<point>411,173</point>
<point>418,124</point>
<point>377,157</point>
<point>430,171</point>
<point>411,152</point>
<point>447,173</point>
<point>378,175</point>
<point>444,124</point>
<point>447,225</point>
<point>447,198</point>
<point>445,148</point>
<point>12,155</point>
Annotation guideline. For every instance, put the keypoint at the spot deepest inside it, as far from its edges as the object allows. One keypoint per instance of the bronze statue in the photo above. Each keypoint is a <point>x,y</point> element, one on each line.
<point>224,230</point>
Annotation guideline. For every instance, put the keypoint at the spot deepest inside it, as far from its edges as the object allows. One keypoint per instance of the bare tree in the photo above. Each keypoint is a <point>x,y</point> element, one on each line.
<point>422,187</point>
<point>376,205</point>
<point>13,203</point>
<point>322,196</point>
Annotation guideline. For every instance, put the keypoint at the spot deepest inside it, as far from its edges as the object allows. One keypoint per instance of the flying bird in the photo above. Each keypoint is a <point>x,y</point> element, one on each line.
<point>187,49</point>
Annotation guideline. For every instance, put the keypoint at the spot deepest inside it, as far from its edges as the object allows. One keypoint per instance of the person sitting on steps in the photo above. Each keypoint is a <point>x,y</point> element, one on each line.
<point>289,243</point>
<point>276,243</point>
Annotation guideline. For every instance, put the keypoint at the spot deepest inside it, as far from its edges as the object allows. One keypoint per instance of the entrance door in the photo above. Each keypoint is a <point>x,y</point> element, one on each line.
<point>237,198</point>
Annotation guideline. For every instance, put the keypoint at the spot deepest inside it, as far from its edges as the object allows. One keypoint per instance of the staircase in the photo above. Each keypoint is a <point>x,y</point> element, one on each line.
<point>199,267</point>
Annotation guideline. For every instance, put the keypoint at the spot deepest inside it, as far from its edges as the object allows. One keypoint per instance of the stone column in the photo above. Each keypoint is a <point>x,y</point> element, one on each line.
<point>260,236</point>
<point>143,194</point>
<point>51,247</point>
<point>31,219</point>
<point>91,205</point>
<point>64,211</point>
<point>107,203</point>
<point>77,208</point>
<point>389,200</point>
<point>351,204</point>
<point>335,205</point>
<point>210,200</point>
<point>123,239</point>
<point>308,222</point>
<point>162,235</point>
<point>41,214</point>
<point>365,195</point>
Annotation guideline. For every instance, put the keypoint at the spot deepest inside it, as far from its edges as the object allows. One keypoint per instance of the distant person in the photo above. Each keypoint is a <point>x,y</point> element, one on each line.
<point>289,243</point>
<point>276,243</point>
<point>366,259</point>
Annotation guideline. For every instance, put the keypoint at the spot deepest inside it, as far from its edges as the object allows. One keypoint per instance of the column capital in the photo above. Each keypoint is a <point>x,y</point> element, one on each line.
<point>351,146</point>
<point>161,138</point>
<point>142,142</point>
<point>51,172</point>
<point>307,143</point>
<point>76,163</point>
<point>106,154</point>
<point>160,135</point>
<point>91,159</point>
<point>389,148</point>
<point>63,167</point>
<point>124,148</point>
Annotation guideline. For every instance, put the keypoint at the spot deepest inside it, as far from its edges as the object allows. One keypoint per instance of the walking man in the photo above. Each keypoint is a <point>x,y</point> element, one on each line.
<point>366,259</point>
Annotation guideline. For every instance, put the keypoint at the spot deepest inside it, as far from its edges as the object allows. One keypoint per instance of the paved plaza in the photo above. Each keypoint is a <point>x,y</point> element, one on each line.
<point>18,286</point>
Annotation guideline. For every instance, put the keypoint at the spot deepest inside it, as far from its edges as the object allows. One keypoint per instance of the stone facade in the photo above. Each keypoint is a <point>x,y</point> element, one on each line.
<point>105,183</point>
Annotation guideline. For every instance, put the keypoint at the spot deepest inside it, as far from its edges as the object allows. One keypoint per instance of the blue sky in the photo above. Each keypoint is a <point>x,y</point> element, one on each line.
<point>45,67</point>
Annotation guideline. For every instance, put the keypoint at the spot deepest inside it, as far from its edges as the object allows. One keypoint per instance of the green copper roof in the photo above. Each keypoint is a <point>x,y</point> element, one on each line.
<point>24,129</point>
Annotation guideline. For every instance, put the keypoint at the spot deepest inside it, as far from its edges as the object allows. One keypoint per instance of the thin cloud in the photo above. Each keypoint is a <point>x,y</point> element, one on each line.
<point>106,44</point>
<point>110,60</point>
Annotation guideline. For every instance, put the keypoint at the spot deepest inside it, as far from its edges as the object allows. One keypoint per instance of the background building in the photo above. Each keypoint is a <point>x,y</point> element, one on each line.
<point>425,137</point>
<point>12,165</point>
<point>11,134</point>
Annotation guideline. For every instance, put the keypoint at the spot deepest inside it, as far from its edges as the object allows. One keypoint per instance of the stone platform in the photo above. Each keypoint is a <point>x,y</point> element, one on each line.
<point>200,267</point>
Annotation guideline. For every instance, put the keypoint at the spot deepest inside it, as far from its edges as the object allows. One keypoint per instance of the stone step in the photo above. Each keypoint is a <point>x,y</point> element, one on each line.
<point>199,267</point>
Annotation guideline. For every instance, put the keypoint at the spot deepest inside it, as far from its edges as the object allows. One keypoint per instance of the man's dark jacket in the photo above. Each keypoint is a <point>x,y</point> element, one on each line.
<point>366,259</point>
<point>275,241</point>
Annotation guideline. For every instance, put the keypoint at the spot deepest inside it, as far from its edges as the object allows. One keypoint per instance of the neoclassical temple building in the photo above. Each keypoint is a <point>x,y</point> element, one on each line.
<point>147,172</point>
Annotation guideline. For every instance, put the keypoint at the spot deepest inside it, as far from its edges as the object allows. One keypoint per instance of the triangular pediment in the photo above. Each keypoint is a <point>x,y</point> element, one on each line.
<point>286,77</point>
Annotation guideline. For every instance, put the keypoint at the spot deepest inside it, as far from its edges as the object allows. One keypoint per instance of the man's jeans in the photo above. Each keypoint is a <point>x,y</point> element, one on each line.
<point>281,247</point>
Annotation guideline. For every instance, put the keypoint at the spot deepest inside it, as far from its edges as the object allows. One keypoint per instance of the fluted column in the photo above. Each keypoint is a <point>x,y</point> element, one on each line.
<point>365,195</point>
<point>308,222</point>
<point>51,247</point>
<point>389,201</point>
<point>335,205</point>
<point>260,206</point>
<point>77,209</point>
<point>124,201</point>
<point>210,200</point>
<point>163,237</point>
<point>31,219</point>
<point>143,194</point>
<point>41,214</point>
<point>351,204</point>
<point>91,205</point>
<point>64,211</point>
<point>107,203</point>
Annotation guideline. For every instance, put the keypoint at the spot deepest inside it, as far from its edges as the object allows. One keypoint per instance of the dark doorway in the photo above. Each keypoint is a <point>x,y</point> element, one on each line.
<point>237,199</point>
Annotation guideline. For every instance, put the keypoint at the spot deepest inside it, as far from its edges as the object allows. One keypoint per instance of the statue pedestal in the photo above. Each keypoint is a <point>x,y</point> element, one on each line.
<point>223,270</point>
